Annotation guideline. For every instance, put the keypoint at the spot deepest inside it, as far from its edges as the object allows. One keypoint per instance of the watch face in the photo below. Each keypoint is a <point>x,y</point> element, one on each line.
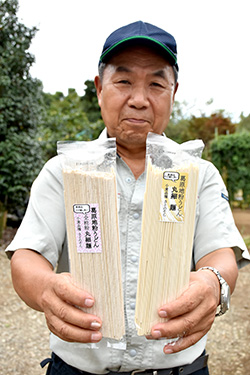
<point>225,297</point>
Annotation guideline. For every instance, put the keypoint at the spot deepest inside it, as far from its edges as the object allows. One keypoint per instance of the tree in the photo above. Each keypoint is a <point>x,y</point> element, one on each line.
<point>206,128</point>
<point>20,110</point>
<point>178,124</point>
<point>231,155</point>
<point>90,102</point>
<point>244,124</point>
<point>65,120</point>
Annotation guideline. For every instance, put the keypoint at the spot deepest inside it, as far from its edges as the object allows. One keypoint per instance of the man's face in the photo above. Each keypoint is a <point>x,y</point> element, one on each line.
<point>136,95</point>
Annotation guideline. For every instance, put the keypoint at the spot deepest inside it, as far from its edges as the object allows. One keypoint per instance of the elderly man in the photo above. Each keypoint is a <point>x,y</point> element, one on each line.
<point>136,88</point>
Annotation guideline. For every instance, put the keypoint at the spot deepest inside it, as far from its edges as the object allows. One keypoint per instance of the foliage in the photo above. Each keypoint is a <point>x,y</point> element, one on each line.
<point>20,109</point>
<point>17,171</point>
<point>244,124</point>
<point>206,128</point>
<point>183,126</point>
<point>231,155</point>
<point>178,124</point>
<point>65,120</point>
<point>90,102</point>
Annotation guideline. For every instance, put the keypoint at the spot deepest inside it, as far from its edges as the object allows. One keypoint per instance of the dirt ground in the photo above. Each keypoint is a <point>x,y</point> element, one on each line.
<point>24,338</point>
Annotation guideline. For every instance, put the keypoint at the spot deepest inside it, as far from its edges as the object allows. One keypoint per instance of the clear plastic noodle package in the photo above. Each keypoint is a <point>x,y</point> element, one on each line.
<point>92,227</point>
<point>167,226</point>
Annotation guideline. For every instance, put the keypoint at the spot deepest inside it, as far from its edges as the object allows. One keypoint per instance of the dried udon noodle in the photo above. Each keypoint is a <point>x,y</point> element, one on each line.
<point>166,249</point>
<point>97,273</point>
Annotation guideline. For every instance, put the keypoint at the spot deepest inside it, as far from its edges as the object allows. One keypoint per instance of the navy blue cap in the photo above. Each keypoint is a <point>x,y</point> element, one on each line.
<point>144,34</point>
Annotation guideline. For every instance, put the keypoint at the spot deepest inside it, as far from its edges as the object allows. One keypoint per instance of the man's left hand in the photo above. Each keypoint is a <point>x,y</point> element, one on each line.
<point>191,315</point>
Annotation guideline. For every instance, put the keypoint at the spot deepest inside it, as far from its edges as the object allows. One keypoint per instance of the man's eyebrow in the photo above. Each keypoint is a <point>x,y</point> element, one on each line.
<point>160,73</point>
<point>120,69</point>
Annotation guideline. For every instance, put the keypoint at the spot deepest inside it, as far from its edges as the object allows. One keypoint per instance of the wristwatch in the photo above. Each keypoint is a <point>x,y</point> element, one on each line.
<point>224,291</point>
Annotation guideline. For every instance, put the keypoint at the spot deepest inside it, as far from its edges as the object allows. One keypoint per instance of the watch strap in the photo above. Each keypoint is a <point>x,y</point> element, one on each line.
<point>223,308</point>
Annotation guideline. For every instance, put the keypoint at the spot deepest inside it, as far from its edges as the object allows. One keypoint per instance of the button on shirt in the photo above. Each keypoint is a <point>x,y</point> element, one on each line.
<point>46,216</point>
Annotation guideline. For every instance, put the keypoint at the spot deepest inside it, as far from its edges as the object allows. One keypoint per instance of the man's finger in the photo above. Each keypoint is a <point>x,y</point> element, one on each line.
<point>73,315</point>
<point>187,302</point>
<point>71,333</point>
<point>183,343</point>
<point>184,325</point>
<point>64,288</point>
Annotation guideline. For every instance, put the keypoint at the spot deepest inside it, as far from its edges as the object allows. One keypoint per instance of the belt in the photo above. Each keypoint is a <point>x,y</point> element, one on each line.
<point>198,364</point>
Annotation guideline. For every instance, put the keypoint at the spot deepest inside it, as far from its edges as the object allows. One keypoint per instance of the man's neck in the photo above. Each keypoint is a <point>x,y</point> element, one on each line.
<point>134,157</point>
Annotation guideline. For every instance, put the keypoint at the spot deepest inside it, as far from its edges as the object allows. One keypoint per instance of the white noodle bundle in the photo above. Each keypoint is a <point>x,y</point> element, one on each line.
<point>99,273</point>
<point>166,249</point>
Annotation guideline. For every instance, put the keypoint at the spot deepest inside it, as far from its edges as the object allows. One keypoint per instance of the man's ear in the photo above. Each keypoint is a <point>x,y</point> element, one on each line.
<point>173,98</point>
<point>98,86</point>
<point>175,89</point>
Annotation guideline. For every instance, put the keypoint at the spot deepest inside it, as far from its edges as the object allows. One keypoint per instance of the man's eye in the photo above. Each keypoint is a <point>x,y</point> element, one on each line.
<point>124,82</point>
<point>156,84</point>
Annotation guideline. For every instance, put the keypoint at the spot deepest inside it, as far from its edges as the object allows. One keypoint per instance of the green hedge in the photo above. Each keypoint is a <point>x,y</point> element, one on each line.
<point>231,155</point>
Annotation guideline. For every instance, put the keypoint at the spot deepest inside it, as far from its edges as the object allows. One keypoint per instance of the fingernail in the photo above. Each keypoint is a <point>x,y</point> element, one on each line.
<point>95,325</point>
<point>168,351</point>
<point>96,336</point>
<point>156,334</point>
<point>89,302</point>
<point>162,314</point>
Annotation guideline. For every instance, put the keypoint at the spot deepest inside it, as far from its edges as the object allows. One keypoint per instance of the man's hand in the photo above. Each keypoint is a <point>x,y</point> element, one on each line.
<point>36,283</point>
<point>191,315</point>
<point>60,301</point>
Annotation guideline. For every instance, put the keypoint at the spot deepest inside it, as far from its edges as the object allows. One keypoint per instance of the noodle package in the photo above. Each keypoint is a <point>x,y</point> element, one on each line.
<point>92,227</point>
<point>167,226</point>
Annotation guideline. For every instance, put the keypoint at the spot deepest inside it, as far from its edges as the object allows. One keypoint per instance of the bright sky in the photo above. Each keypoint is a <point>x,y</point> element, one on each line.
<point>212,40</point>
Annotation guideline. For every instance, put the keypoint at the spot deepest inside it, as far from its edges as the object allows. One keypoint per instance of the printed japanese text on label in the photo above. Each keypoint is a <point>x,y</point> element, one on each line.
<point>87,228</point>
<point>173,195</point>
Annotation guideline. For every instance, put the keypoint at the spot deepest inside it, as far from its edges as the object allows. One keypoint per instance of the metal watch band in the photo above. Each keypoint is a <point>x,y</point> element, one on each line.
<point>214,270</point>
<point>225,291</point>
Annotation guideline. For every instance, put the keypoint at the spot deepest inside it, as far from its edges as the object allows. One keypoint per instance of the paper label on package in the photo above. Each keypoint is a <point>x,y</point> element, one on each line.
<point>173,195</point>
<point>87,228</point>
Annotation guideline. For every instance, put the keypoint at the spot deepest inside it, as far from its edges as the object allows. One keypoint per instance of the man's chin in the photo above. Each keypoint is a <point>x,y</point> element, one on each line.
<point>135,139</point>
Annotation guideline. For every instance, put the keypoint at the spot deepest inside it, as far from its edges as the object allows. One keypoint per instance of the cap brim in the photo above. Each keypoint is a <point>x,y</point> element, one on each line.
<point>143,40</point>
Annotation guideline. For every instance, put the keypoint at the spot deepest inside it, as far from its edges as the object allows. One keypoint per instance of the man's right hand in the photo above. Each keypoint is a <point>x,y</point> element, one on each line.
<point>56,295</point>
<point>64,319</point>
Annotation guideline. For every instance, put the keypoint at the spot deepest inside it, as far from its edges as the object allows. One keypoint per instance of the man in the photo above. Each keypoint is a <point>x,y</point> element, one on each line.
<point>136,87</point>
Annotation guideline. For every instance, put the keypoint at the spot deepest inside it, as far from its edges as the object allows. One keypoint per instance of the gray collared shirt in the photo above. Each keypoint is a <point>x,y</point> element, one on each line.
<point>43,229</point>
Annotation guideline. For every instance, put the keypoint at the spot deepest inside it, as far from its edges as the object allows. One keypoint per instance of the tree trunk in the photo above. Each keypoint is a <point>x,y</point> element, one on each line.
<point>3,219</point>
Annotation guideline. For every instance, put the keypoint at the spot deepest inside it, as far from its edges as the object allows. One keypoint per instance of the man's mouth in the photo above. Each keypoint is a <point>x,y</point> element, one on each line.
<point>135,121</point>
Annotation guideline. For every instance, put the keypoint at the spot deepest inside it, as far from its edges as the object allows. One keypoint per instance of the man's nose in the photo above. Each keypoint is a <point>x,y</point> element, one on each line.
<point>138,97</point>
